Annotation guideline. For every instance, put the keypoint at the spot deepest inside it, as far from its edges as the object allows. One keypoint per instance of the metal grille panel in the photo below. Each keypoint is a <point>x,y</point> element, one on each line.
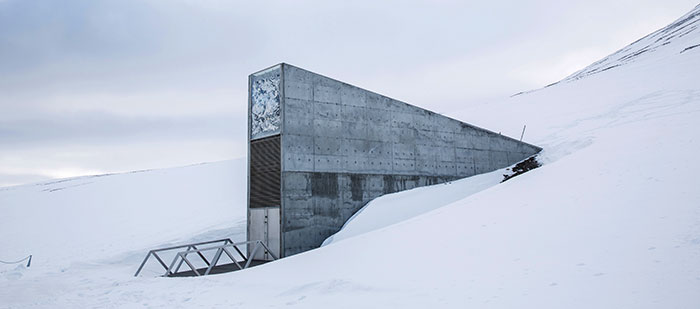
<point>265,167</point>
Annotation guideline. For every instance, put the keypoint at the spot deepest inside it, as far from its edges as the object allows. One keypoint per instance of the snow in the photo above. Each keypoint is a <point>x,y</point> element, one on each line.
<point>646,46</point>
<point>96,218</point>
<point>611,220</point>
<point>398,207</point>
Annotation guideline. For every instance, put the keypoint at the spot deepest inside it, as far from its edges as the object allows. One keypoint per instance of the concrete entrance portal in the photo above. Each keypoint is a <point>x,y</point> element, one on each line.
<point>319,149</point>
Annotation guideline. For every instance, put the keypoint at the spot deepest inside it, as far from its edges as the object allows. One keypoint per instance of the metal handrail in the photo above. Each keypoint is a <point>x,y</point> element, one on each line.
<point>181,257</point>
<point>155,252</point>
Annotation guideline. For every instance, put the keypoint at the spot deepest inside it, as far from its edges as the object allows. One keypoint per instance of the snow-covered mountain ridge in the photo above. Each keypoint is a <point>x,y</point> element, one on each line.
<point>676,38</point>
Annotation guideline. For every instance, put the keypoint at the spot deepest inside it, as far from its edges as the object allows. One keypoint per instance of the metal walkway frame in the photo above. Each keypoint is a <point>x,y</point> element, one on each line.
<point>221,246</point>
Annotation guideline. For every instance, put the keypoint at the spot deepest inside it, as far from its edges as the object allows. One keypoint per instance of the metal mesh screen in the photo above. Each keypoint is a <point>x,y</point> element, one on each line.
<point>265,167</point>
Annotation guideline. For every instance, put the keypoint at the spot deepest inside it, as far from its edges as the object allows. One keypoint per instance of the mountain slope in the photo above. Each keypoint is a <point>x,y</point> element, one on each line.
<point>676,38</point>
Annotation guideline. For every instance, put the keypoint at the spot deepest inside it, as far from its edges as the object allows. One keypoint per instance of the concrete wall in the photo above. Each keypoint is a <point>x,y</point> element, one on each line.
<point>343,146</point>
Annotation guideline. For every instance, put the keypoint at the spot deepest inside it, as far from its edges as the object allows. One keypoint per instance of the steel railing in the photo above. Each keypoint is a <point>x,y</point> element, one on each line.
<point>222,248</point>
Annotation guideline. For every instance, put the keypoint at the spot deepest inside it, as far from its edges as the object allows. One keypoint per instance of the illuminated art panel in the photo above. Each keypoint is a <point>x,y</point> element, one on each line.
<point>265,103</point>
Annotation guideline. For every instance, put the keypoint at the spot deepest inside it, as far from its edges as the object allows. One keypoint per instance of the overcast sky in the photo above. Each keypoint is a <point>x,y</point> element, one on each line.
<point>90,87</point>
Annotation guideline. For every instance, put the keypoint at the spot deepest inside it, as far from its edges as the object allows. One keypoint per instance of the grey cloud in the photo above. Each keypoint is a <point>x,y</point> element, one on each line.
<point>89,77</point>
<point>99,129</point>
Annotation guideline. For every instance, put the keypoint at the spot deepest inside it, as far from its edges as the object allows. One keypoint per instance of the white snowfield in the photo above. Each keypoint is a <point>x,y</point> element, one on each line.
<point>612,219</point>
<point>98,217</point>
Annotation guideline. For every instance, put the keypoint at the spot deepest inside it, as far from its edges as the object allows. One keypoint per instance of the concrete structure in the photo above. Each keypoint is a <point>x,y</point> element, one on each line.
<point>320,149</point>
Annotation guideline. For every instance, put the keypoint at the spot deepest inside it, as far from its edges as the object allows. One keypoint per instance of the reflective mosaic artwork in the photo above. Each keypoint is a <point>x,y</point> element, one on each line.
<point>265,103</point>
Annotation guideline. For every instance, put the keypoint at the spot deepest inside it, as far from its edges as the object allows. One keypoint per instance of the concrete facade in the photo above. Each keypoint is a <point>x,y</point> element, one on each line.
<point>342,146</point>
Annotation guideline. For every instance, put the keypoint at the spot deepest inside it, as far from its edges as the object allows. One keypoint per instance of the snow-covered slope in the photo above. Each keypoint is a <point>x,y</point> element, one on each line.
<point>612,220</point>
<point>95,218</point>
